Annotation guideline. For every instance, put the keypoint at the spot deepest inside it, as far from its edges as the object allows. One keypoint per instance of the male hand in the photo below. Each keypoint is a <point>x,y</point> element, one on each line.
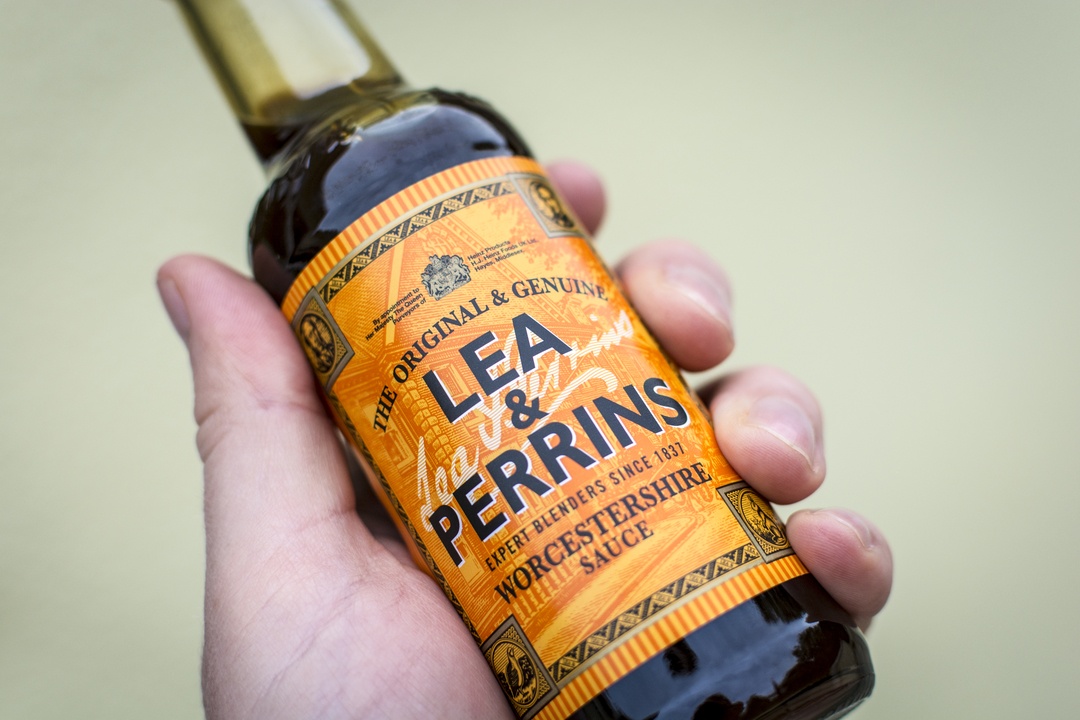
<point>313,611</point>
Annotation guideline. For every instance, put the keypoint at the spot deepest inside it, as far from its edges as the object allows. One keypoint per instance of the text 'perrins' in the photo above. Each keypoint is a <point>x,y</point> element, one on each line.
<point>537,466</point>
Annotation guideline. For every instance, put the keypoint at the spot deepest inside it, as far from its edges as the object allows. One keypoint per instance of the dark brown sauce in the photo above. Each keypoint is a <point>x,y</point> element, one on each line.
<point>788,653</point>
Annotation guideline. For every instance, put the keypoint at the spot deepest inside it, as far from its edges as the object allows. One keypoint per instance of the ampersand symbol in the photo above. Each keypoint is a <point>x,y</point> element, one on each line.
<point>498,298</point>
<point>524,413</point>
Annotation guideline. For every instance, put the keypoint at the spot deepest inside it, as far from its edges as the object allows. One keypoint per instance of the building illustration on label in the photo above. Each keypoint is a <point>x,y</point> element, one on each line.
<point>444,274</point>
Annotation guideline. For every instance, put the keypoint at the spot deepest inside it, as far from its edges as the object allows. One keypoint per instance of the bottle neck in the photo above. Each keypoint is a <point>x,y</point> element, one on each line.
<point>284,64</point>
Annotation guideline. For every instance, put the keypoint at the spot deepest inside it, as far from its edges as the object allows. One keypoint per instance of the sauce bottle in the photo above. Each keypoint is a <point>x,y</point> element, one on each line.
<point>539,453</point>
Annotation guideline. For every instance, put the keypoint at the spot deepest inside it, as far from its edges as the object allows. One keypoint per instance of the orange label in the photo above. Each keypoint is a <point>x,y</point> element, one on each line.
<point>553,471</point>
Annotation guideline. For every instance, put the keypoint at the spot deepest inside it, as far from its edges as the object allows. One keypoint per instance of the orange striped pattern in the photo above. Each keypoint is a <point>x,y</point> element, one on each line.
<point>391,211</point>
<point>665,631</point>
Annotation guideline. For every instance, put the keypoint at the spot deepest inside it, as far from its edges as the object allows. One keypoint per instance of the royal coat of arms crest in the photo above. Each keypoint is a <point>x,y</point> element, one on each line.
<point>444,274</point>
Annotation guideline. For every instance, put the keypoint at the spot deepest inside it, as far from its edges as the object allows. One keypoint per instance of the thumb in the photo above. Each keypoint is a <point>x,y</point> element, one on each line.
<point>273,462</point>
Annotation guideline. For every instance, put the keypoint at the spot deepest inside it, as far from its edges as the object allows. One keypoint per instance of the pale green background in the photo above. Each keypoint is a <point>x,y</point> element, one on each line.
<point>893,187</point>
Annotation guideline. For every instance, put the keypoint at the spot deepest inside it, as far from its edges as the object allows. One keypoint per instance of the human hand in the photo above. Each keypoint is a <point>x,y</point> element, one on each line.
<point>315,611</point>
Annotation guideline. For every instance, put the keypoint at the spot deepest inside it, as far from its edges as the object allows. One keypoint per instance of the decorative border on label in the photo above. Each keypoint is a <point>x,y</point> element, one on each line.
<point>392,211</point>
<point>418,543</point>
<point>660,632</point>
<point>366,254</point>
<point>633,616</point>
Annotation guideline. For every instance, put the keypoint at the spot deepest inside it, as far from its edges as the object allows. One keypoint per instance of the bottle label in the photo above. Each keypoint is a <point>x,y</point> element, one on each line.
<point>553,471</point>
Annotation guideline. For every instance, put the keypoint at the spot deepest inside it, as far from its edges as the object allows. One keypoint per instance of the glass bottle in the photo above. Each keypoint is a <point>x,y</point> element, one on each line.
<point>339,134</point>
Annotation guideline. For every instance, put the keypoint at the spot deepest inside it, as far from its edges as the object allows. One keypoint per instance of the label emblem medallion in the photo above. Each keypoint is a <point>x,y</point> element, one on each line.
<point>519,670</point>
<point>324,344</point>
<point>758,519</point>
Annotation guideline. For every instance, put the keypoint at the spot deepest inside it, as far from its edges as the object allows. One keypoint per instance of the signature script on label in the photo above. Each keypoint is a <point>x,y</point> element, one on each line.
<point>437,486</point>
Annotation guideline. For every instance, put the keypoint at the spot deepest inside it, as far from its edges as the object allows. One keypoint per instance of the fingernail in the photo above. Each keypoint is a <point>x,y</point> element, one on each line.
<point>864,532</point>
<point>174,306</point>
<point>703,288</point>
<point>786,421</point>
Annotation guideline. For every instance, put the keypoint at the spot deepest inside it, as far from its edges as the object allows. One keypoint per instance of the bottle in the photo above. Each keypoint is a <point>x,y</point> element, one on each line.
<point>551,469</point>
